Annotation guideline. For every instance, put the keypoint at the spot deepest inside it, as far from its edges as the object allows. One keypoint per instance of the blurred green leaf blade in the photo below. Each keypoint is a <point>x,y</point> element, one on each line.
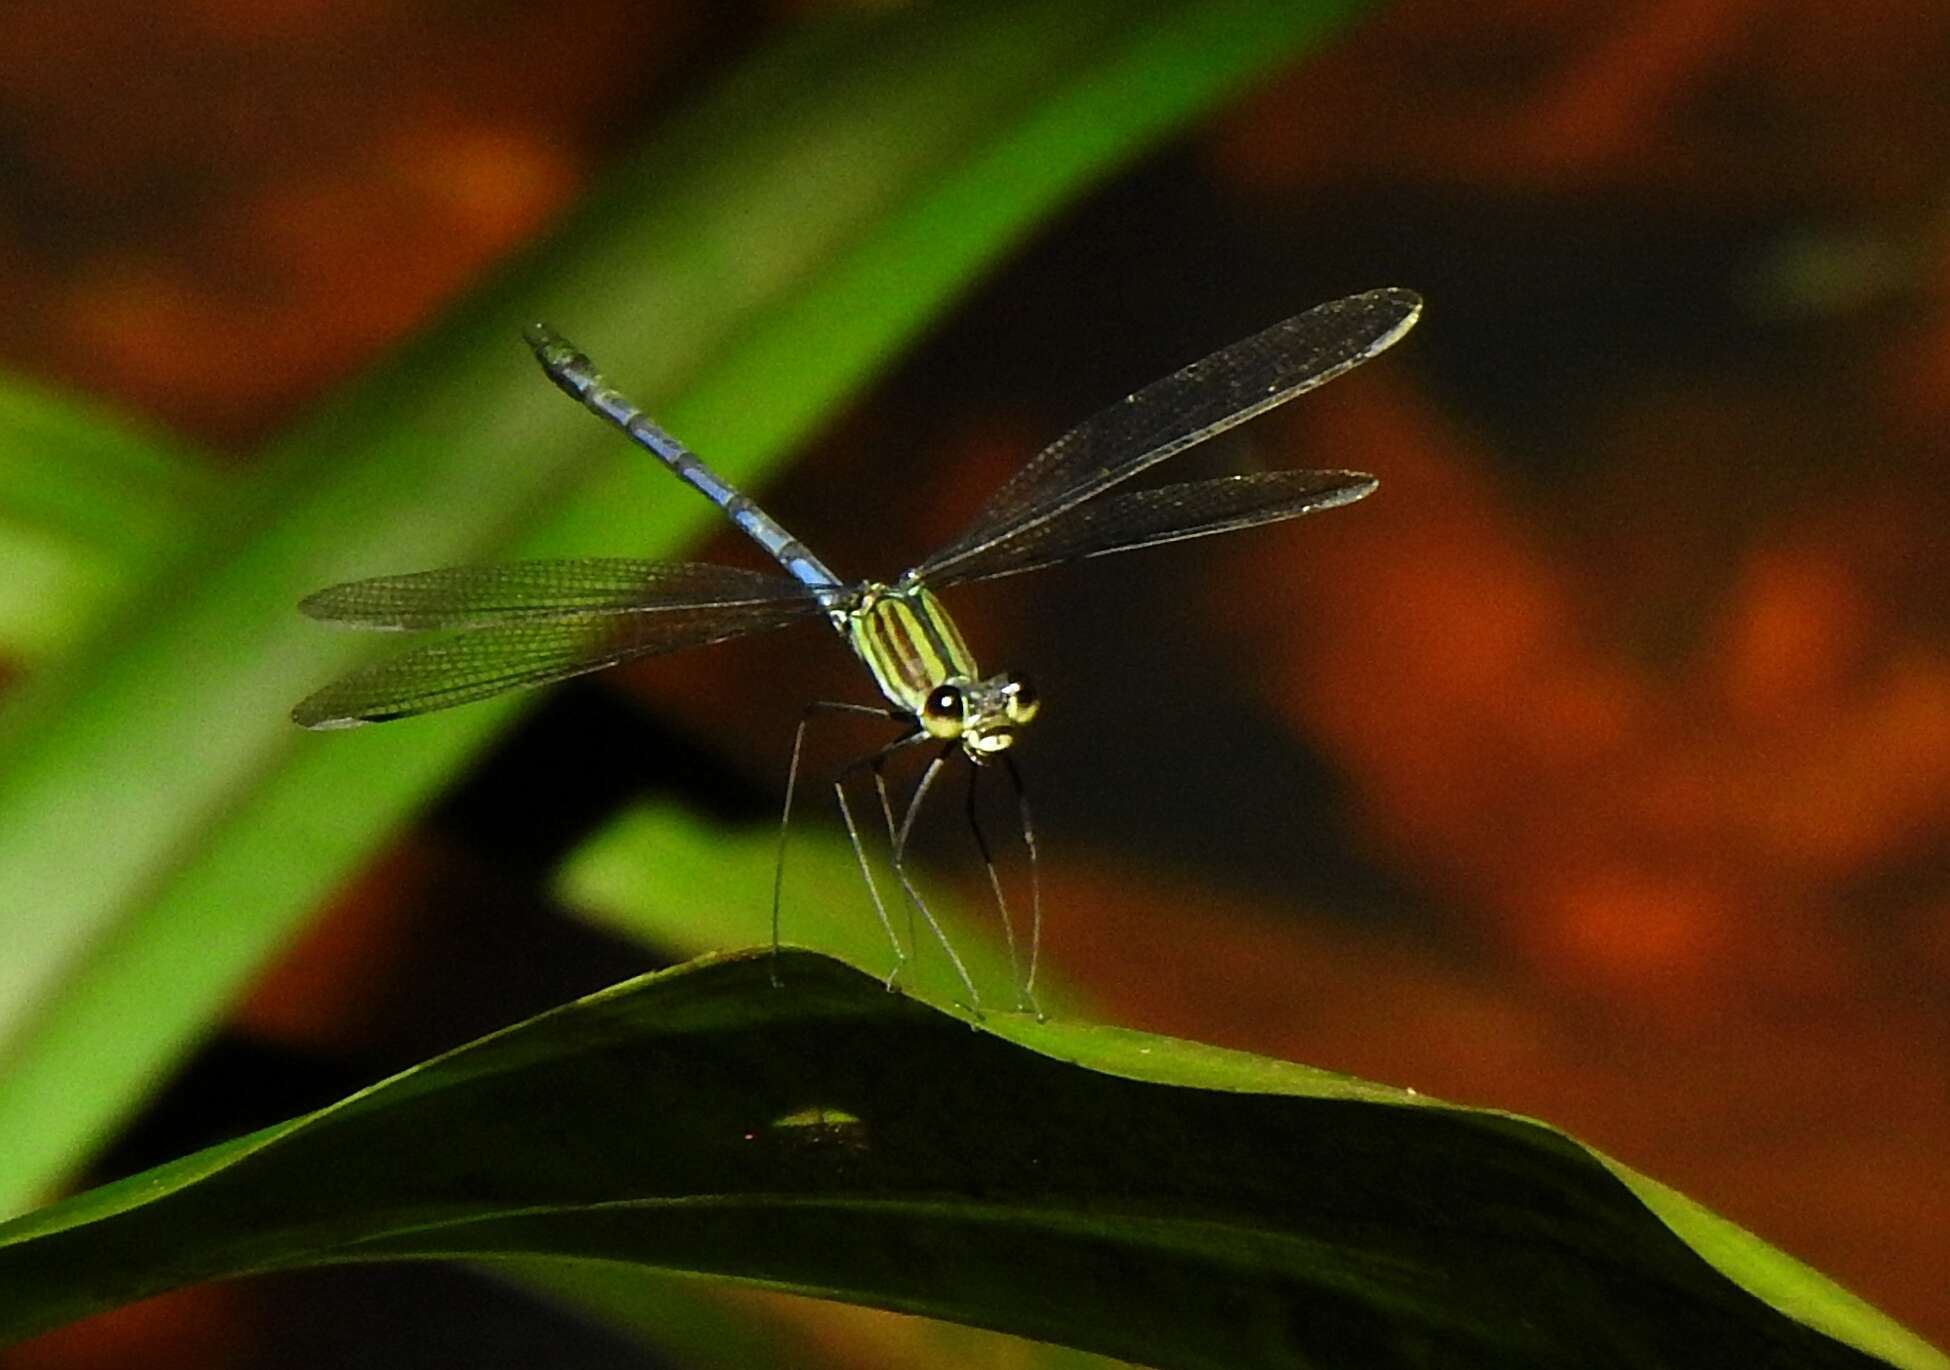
<point>89,504</point>
<point>667,877</point>
<point>163,829</point>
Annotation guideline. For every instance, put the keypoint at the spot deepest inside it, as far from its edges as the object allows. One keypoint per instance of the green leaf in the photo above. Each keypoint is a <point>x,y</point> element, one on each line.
<point>1135,1195</point>
<point>663,875</point>
<point>716,1325</point>
<point>89,505</point>
<point>163,828</point>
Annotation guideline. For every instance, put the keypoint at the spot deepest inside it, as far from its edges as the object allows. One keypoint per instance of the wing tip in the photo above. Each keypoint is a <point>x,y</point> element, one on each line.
<point>319,603</point>
<point>1404,304</point>
<point>1359,485</point>
<point>316,714</point>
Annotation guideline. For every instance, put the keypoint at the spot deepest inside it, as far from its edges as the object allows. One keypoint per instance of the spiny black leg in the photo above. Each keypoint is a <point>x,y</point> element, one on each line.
<point>995,880</point>
<point>907,883</point>
<point>1035,882</point>
<point>866,874</point>
<point>873,762</point>
<point>893,837</point>
<point>785,815</point>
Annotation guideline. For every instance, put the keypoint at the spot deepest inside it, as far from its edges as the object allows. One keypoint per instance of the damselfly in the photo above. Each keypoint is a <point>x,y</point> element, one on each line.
<point>531,623</point>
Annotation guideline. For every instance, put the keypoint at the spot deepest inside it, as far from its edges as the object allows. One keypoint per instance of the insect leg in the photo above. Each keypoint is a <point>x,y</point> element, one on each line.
<point>995,882</point>
<point>785,815</point>
<point>928,778</point>
<point>1035,883</point>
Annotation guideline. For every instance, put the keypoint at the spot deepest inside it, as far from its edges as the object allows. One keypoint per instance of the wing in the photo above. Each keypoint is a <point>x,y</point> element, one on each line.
<point>474,596</point>
<point>1168,416</point>
<point>1169,513</point>
<point>521,655</point>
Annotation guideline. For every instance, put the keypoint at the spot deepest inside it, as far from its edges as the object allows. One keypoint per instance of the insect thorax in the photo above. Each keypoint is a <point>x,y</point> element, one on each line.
<point>909,643</point>
<point>918,658</point>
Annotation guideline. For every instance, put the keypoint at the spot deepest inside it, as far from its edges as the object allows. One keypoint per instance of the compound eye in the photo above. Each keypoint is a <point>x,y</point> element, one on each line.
<point>944,711</point>
<point>1023,702</point>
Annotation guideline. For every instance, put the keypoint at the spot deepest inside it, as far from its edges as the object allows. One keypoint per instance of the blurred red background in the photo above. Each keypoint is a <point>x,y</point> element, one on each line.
<point>1597,768</point>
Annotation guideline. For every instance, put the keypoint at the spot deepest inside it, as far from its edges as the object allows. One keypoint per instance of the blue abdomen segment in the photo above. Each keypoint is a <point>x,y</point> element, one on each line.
<point>577,376</point>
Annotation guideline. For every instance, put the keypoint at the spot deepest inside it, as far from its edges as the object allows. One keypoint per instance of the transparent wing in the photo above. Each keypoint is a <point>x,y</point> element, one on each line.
<point>473,596</point>
<point>1169,513</point>
<point>521,655</point>
<point>1166,417</point>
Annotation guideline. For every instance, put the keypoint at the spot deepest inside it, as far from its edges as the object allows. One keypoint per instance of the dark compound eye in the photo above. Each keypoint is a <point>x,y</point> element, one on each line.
<point>943,711</point>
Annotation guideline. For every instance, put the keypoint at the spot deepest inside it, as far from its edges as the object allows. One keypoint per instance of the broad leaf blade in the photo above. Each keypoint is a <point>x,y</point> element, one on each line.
<point>1135,1195</point>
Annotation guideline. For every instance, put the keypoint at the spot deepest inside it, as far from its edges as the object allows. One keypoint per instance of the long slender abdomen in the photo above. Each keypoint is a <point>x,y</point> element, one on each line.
<point>577,376</point>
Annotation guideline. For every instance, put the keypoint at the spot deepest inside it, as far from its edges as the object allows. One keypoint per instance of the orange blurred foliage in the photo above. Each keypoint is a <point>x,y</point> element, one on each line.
<point>1667,832</point>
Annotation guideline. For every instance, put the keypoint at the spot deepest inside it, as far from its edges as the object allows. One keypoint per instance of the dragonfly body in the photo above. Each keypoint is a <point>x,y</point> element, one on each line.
<point>901,633</point>
<point>531,623</point>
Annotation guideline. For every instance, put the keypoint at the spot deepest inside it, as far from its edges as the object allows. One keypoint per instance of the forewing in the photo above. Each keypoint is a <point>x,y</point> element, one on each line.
<point>521,655</point>
<point>1168,513</point>
<point>533,591</point>
<point>1170,415</point>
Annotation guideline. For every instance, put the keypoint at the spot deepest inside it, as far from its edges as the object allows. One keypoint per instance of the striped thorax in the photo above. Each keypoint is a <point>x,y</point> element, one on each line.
<point>919,660</point>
